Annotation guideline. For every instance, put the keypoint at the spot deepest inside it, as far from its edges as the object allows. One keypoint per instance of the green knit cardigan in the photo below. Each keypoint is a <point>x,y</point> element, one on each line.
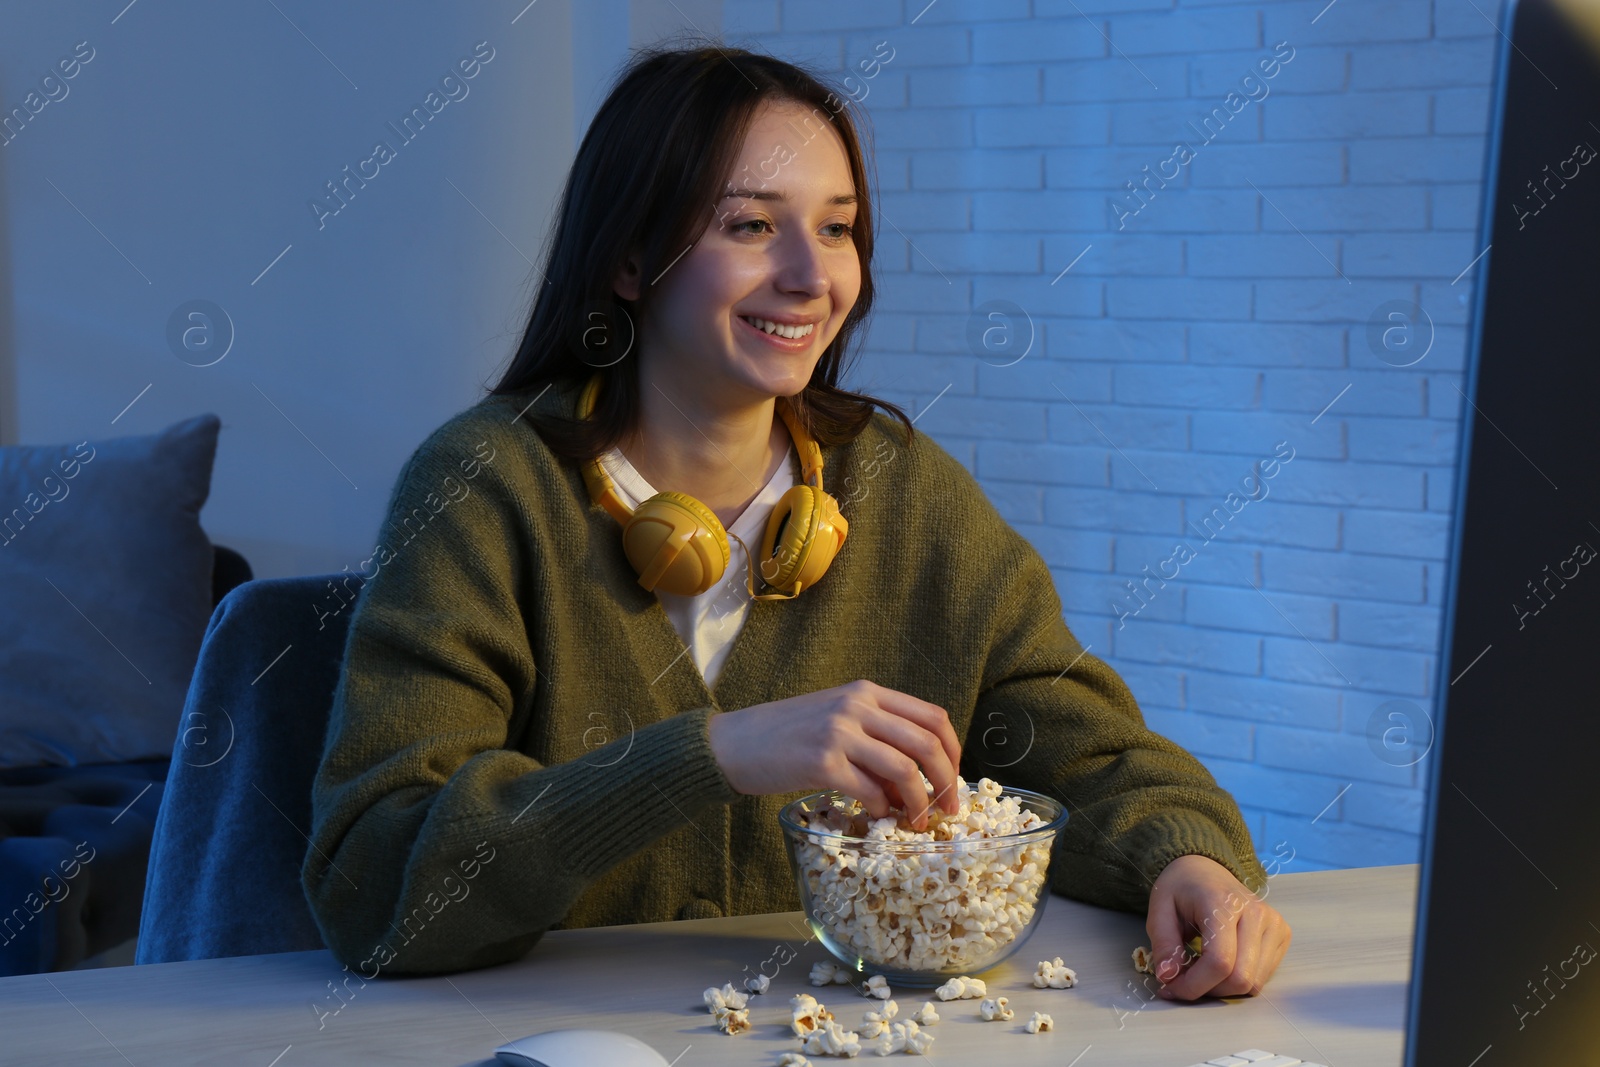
<point>518,741</point>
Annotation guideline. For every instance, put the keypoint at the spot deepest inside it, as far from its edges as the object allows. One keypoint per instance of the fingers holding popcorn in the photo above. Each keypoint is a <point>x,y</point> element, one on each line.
<point>861,738</point>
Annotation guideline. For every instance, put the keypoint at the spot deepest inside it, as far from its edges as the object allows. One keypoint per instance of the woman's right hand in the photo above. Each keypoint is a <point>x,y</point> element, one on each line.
<point>863,739</point>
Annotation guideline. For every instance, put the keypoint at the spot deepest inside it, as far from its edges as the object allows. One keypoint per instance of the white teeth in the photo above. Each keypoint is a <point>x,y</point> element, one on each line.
<point>791,332</point>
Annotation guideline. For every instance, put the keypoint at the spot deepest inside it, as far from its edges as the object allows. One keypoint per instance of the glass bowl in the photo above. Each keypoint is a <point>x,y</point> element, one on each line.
<point>919,912</point>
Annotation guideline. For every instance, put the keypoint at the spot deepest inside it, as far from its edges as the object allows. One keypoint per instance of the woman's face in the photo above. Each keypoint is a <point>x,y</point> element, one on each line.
<point>777,247</point>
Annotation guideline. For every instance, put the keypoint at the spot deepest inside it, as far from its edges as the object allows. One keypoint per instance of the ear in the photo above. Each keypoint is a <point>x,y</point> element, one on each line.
<point>626,282</point>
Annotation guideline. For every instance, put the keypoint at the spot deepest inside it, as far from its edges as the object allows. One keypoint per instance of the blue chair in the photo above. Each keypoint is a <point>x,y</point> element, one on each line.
<point>224,875</point>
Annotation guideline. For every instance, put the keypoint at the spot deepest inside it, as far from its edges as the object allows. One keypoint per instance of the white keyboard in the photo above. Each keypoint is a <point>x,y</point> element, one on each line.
<point>1254,1057</point>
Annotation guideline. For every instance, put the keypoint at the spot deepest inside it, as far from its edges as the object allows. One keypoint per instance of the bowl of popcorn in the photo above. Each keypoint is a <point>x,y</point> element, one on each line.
<point>920,907</point>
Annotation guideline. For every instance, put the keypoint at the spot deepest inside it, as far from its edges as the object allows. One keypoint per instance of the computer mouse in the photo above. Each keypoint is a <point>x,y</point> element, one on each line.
<point>580,1048</point>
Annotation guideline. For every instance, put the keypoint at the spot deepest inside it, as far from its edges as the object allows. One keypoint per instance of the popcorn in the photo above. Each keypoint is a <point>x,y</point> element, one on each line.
<point>726,997</point>
<point>1039,1023</point>
<point>1053,974</point>
<point>1144,961</point>
<point>903,909</point>
<point>732,1020</point>
<point>874,1023</point>
<point>823,972</point>
<point>728,1010</point>
<point>804,1000</point>
<point>877,986</point>
<point>831,1039</point>
<point>757,983</point>
<point>903,1037</point>
<point>962,988</point>
<point>926,1015</point>
<point>996,1009</point>
<point>793,1059</point>
<point>807,1015</point>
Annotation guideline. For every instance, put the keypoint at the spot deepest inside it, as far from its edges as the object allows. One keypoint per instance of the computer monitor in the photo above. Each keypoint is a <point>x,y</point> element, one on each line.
<point>1507,958</point>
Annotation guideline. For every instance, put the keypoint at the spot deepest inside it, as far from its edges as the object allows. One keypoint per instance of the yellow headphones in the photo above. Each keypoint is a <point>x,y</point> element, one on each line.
<point>678,544</point>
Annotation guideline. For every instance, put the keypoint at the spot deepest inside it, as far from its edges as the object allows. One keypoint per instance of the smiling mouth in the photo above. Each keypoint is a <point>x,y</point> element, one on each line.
<point>792,333</point>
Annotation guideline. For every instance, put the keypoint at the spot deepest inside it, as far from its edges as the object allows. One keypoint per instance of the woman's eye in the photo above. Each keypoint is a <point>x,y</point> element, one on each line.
<point>848,230</point>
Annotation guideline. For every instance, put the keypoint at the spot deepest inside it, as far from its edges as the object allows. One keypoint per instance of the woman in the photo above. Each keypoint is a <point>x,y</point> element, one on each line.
<point>521,739</point>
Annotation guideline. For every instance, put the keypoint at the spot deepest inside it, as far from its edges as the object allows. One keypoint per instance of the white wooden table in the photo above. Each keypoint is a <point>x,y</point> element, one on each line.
<point>1338,999</point>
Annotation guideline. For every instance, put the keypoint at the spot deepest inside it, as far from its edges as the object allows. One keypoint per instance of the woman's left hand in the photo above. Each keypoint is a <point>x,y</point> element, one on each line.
<point>1243,940</point>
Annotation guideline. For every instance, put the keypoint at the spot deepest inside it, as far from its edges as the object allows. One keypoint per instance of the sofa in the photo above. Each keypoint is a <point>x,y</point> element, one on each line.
<point>109,581</point>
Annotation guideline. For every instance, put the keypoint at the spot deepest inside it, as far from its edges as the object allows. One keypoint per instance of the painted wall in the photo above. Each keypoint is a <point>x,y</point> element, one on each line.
<point>190,158</point>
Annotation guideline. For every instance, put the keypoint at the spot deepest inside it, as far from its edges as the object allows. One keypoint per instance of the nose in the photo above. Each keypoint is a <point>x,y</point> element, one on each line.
<point>801,267</point>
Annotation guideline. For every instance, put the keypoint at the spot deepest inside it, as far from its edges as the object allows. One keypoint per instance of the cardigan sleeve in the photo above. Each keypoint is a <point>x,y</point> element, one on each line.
<point>1054,718</point>
<point>434,847</point>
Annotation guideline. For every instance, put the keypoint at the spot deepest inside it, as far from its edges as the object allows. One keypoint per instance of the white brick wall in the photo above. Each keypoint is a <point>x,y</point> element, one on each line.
<point>1226,314</point>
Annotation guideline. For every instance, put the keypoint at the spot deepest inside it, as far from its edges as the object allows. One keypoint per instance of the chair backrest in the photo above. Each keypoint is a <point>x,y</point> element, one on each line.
<point>224,875</point>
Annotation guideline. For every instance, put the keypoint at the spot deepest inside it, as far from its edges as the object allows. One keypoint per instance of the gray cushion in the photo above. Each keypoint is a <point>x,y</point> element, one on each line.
<point>106,576</point>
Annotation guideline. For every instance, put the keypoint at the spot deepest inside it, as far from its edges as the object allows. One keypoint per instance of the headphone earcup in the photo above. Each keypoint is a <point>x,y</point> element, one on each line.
<point>677,544</point>
<point>804,533</point>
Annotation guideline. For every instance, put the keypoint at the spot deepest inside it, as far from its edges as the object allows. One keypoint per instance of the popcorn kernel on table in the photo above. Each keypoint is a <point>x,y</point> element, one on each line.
<point>1053,974</point>
<point>831,1039</point>
<point>807,1014</point>
<point>825,973</point>
<point>903,1037</point>
<point>732,1020</point>
<point>726,997</point>
<point>996,1009</point>
<point>962,988</point>
<point>874,1023</point>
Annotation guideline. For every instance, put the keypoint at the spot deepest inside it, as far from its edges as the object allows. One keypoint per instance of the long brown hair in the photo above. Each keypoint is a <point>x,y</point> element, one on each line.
<point>655,156</point>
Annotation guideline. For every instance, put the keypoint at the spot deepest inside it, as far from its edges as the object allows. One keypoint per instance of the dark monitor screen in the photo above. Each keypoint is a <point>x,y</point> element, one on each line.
<point>1506,969</point>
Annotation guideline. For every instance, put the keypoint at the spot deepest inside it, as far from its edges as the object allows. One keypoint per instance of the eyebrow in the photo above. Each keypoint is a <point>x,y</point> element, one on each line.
<point>775,194</point>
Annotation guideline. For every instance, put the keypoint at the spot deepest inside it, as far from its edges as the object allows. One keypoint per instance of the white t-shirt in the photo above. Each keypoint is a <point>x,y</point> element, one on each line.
<point>708,623</point>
